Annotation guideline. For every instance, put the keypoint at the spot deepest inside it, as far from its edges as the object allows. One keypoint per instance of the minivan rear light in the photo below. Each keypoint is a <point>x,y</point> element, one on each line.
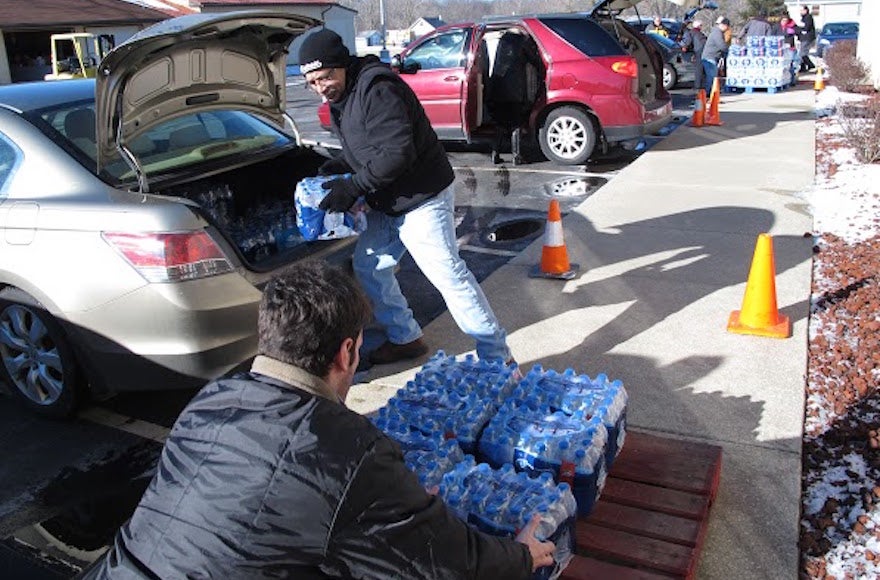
<point>170,257</point>
<point>626,67</point>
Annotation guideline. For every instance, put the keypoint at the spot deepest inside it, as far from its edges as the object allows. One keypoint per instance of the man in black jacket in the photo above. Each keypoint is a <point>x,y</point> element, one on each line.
<point>807,36</point>
<point>694,41</point>
<point>268,474</point>
<point>401,170</point>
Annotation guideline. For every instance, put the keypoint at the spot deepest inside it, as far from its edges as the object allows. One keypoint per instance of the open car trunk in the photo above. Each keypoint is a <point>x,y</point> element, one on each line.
<point>649,60</point>
<point>253,208</point>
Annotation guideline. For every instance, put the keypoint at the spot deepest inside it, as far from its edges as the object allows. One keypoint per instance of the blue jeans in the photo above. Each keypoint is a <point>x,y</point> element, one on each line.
<point>428,233</point>
<point>710,68</point>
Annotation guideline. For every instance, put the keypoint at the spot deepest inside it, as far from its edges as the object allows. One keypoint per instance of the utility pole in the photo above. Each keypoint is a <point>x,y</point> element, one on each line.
<point>383,54</point>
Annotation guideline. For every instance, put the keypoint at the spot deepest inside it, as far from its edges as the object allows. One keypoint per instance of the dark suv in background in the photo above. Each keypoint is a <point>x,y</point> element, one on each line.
<point>571,81</point>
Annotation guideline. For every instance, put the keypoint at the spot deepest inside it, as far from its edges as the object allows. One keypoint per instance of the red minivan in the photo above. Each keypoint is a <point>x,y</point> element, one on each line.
<point>571,81</point>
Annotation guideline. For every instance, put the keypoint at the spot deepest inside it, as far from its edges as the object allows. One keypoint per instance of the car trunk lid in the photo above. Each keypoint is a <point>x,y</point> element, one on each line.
<point>234,60</point>
<point>618,6</point>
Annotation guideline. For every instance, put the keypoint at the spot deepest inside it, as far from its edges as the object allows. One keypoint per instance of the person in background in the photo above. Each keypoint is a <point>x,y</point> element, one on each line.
<point>715,51</point>
<point>400,168</point>
<point>693,42</point>
<point>268,474</point>
<point>756,26</point>
<point>656,27</point>
<point>807,37</point>
<point>788,29</point>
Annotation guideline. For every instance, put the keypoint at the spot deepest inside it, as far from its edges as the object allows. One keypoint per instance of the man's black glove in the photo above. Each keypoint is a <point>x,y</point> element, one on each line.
<point>334,166</point>
<point>343,194</point>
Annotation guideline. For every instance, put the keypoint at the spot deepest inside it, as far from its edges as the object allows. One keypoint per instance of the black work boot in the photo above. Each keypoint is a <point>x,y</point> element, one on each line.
<point>389,352</point>
<point>515,146</point>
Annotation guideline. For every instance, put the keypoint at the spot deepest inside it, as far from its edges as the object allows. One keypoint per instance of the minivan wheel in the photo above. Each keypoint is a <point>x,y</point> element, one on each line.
<point>669,76</point>
<point>568,136</point>
<point>36,360</point>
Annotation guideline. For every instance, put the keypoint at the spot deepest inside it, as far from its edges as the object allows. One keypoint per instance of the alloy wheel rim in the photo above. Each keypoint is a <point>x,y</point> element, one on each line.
<point>667,78</point>
<point>567,137</point>
<point>30,356</point>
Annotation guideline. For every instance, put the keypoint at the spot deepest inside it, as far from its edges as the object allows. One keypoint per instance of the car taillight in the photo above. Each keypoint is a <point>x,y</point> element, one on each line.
<point>170,257</point>
<point>626,67</point>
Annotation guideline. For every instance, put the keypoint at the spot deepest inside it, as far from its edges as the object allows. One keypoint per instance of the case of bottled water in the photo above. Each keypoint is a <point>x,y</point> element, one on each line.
<point>316,224</point>
<point>456,398</point>
<point>570,392</point>
<point>537,440</point>
<point>502,501</point>
<point>432,464</point>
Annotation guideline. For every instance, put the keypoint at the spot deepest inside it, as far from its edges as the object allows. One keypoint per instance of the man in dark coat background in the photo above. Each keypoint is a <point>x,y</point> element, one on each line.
<point>807,37</point>
<point>715,49</point>
<point>693,42</point>
<point>268,474</point>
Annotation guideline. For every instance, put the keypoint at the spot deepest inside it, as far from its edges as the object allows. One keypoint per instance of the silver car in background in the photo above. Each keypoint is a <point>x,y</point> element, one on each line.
<point>141,212</point>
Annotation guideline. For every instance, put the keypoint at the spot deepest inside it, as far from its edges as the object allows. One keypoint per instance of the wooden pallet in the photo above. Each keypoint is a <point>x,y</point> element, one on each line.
<point>651,519</point>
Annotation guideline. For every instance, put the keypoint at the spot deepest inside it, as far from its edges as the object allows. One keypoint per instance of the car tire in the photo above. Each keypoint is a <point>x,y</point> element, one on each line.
<point>670,78</point>
<point>36,360</point>
<point>567,136</point>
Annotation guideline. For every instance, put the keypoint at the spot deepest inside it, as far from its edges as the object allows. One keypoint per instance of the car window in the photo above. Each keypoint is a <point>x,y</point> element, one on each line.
<point>585,35</point>
<point>174,144</point>
<point>445,50</point>
<point>841,28</point>
<point>10,157</point>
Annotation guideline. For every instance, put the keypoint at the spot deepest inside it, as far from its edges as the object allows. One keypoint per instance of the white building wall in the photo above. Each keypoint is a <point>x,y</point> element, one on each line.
<point>869,39</point>
<point>829,10</point>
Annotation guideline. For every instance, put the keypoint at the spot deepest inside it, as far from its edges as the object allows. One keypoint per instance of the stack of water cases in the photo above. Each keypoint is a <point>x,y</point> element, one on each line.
<point>764,62</point>
<point>546,438</point>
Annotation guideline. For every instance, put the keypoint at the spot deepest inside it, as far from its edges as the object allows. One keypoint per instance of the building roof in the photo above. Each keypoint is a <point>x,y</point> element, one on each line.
<point>258,3</point>
<point>170,7</point>
<point>49,13</point>
<point>434,21</point>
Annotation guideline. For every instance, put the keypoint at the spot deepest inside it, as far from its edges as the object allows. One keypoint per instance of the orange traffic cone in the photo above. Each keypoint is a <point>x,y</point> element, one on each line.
<point>699,109</point>
<point>819,83</point>
<point>713,117</point>
<point>554,256</point>
<point>759,315</point>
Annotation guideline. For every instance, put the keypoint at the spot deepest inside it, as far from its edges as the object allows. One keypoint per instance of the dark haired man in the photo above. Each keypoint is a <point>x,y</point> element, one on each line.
<point>268,474</point>
<point>403,173</point>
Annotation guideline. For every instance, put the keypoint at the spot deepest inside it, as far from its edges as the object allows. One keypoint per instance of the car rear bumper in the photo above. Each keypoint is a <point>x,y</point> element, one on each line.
<point>166,336</point>
<point>657,115</point>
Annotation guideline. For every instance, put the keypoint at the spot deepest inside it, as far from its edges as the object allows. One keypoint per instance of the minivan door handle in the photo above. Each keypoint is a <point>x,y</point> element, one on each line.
<point>452,78</point>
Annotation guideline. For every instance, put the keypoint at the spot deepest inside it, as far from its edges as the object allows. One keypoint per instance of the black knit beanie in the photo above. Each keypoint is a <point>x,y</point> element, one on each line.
<point>322,49</point>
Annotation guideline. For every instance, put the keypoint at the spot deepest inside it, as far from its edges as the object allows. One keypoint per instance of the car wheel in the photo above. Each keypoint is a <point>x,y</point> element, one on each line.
<point>669,77</point>
<point>568,136</point>
<point>36,360</point>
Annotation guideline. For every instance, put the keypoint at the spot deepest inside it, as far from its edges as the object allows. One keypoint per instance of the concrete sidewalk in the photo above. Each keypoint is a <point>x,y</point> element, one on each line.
<point>665,250</point>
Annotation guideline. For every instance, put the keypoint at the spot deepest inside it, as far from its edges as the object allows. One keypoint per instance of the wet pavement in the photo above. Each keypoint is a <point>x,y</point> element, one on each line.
<point>65,487</point>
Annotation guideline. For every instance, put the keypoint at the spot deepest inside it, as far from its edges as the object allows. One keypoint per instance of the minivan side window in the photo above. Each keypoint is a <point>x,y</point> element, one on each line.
<point>585,35</point>
<point>445,50</point>
<point>10,156</point>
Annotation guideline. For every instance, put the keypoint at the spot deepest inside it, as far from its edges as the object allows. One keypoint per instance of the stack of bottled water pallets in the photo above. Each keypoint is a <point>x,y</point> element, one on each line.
<point>499,449</point>
<point>764,62</point>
